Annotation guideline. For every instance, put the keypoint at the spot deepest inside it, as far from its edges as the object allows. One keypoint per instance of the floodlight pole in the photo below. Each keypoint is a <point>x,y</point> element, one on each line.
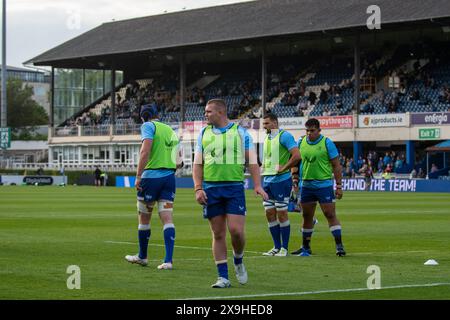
<point>4,68</point>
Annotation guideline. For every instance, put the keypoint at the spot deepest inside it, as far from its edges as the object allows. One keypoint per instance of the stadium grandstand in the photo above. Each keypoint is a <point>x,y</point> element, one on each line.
<point>382,95</point>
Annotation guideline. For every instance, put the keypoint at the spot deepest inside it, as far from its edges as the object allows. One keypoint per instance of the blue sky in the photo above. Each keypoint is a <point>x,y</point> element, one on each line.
<point>35,26</point>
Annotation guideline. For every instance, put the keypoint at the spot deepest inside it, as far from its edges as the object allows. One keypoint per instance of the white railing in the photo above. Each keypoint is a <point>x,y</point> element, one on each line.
<point>131,167</point>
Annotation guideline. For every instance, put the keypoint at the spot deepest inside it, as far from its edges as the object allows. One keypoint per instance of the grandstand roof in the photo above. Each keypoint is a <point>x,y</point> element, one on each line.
<point>248,20</point>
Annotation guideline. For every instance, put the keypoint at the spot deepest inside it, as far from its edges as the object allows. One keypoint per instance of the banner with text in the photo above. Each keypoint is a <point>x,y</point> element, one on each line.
<point>192,126</point>
<point>336,122</point>
<point>383,120</point>
<point>397,185</point>
<point>430,118</point>
<point>292,123</point>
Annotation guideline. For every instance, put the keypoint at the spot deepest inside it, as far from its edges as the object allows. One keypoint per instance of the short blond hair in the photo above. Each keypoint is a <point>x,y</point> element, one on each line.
<point>218,102</point>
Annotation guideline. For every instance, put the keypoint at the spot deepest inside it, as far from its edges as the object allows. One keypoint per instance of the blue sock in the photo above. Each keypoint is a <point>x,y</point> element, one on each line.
<point>274,228</point>
<point>169,241</point>
<point>144,236</point>
<point>285,230</point>
<point>222,268</point>
<point>307,234</point>
<point>238,258</point>
<point>336,232</point>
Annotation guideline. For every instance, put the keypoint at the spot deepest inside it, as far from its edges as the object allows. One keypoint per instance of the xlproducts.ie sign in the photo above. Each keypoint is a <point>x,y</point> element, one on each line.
<point>5,138</point>
<point>428,134</point>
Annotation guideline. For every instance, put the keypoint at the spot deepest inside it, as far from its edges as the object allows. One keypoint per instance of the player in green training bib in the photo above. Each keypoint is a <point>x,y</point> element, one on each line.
<point>155,183</point>
<point>222,151</point>
<point>280,155</point>
<point>319,168</point>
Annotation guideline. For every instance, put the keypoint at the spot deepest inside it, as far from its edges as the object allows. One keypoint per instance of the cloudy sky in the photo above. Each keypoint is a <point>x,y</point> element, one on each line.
<point>34,26</point>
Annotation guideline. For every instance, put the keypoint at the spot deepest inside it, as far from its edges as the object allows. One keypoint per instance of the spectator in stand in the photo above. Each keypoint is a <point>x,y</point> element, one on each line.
<point>349,168</point>
<point>323,97</point>
<point>421,174</point>
<point>388,168</point>
<point>402,90</point>
<point>368,176</point>
<point>339,104</point>
<point>326,112</point>
<point>398,163</point>
<point>360,162</point>
<point>386,160</point>
<point>434,168</point>
<point>415,95</point>
<point>413,174</point>
<point>386,174</point>
<point>312,98</point>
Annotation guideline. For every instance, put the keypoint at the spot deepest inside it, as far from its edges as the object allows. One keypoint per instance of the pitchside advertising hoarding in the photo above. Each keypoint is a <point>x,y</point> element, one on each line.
<point>380,185</point>
<point>430,118</point>
<point>336,122</point>
<point>383,120</point>
<point>292,123</point>
<point>33,180</point>
<point>397,185</point>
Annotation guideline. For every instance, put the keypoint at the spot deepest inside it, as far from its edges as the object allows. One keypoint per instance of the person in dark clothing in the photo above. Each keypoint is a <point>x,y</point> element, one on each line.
<point>97,177</point>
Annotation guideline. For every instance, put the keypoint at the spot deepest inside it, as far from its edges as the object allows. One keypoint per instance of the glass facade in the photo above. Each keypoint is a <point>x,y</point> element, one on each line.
<point>26,76</point>
<point>95,154</point>
<point>77,88</point>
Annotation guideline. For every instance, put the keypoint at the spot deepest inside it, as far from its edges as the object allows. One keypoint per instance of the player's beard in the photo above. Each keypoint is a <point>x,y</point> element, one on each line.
<point>268,131</point>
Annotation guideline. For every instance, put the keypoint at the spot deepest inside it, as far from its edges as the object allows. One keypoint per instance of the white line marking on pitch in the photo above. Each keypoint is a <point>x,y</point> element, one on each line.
<point>183,247</point>
<point>319,292</point>
<point>204,259</point>
<point>256,252</point>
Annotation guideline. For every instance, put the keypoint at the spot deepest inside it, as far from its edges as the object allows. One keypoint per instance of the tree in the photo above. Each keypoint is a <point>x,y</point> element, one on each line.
<point>22,110</point>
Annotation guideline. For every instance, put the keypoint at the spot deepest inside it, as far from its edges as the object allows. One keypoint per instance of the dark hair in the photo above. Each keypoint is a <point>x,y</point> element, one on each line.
<point>313,122</point>
<point>271,116</point>
<point>148,112</point>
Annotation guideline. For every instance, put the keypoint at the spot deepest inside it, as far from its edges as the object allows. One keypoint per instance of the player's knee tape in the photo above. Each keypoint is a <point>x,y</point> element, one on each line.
<point>165,206</point>
<point>144,207</point>
<point>281,206</point>
<point>268,205</point>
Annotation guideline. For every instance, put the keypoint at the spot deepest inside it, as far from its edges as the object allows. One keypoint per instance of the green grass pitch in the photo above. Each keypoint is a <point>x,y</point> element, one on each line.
<point>43,230</point>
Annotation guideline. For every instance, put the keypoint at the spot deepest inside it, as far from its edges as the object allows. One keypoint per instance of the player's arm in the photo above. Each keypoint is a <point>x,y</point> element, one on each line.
<point>197,176</point>
<point>337,171</point>
<point>293,160</point>
<point>179,160</point>
<point>295,176</point>
<point>144,155</point>
<point>295,169</point>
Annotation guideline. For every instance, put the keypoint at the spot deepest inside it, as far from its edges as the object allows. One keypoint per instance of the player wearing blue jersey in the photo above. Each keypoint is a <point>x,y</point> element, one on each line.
<point>155,183</point>
<point>318,169</point>
<point>280,155</point>
<point>222,151</point>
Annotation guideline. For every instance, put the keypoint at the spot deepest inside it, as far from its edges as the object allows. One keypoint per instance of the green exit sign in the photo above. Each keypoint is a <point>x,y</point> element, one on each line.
<point>5,138</point>
<point>432,133</point>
